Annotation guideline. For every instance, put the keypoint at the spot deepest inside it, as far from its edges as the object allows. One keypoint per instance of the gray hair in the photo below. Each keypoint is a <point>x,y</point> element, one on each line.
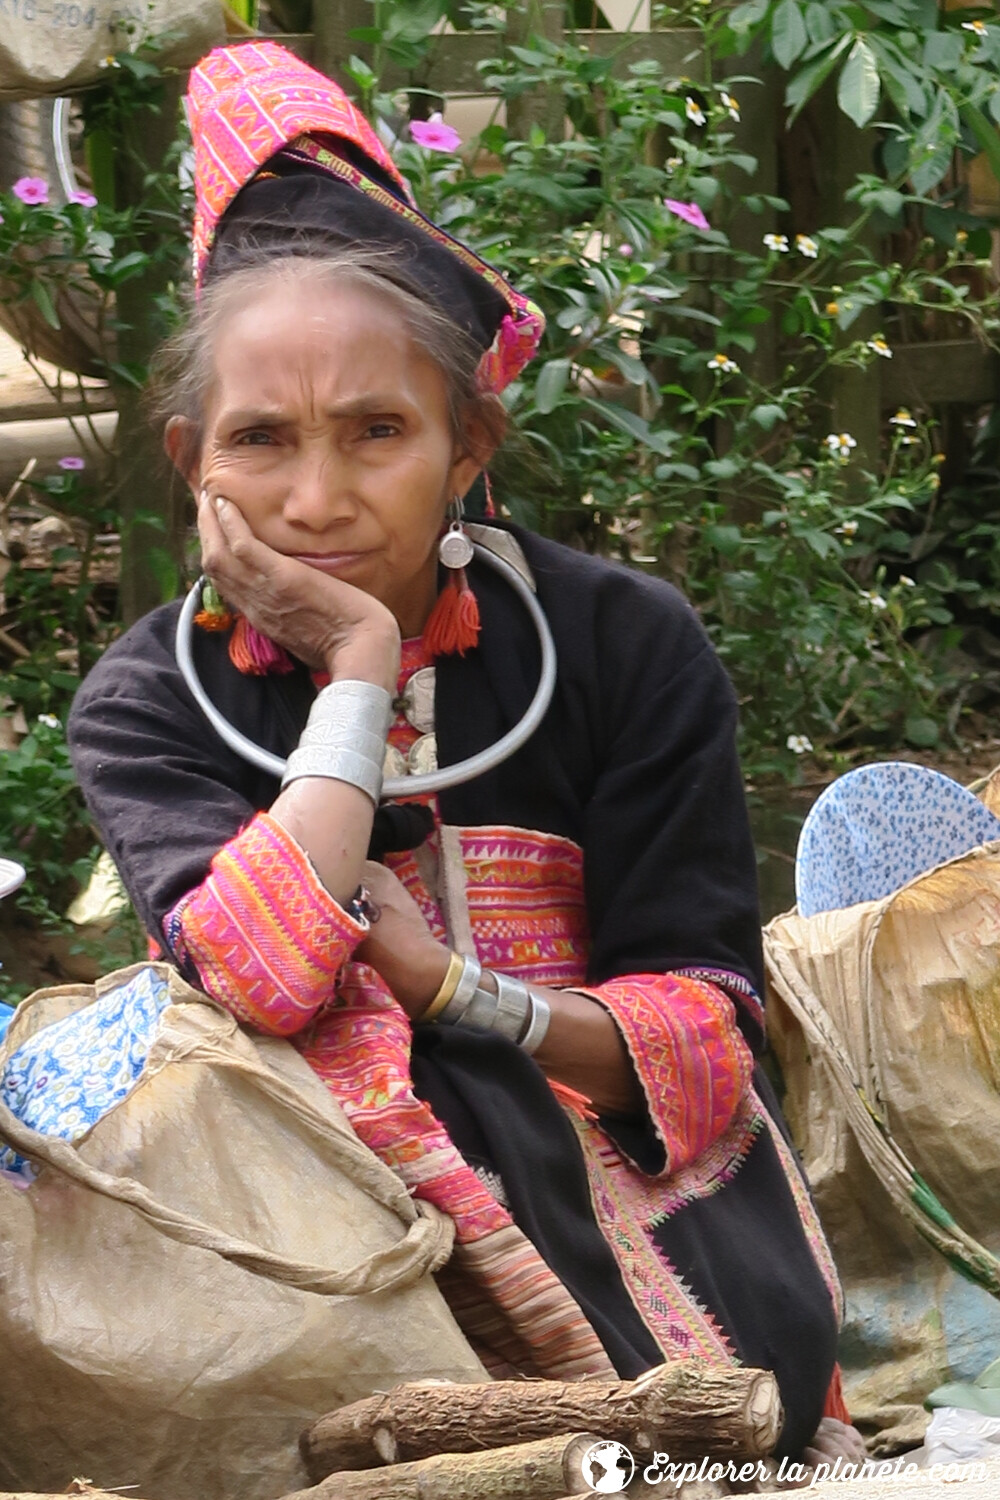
<point>182,371</point>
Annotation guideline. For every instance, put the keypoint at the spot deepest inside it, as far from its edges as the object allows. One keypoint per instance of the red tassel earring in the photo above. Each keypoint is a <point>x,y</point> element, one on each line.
<point>255,654</point>
<point>454,624</point>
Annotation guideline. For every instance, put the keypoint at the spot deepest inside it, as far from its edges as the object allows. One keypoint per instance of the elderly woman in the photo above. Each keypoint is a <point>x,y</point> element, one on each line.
<point>535,994</point>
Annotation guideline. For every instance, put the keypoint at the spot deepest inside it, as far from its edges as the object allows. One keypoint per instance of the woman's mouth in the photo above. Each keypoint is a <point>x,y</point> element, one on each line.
<point>330,562</point>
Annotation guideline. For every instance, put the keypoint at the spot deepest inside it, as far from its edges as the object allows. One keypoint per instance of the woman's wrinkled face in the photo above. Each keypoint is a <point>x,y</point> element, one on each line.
<point>330,431</point>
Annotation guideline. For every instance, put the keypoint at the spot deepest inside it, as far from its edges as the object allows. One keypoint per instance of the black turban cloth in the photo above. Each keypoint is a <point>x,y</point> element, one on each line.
<point>295,204</point>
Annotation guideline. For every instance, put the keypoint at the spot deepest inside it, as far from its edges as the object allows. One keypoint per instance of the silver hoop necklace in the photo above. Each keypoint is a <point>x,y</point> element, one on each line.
<point>398,786</point>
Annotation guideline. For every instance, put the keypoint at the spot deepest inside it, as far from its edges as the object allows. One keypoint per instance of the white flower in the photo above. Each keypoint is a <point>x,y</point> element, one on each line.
<point>777,242</point>
<point>694,111</point>
<point>50,720</point>
<point>109,62</point>
<point>723,363</point>
<point>878,345</point>
<point>848,529</point>
<point>979,28</point>
<point>840,444</point>
<point>903,418</point>
<point>908,583</point>
<point>730,104</point>
<point>799,744</point>
<point>807,246</point>
<point>672,163</point>
<point>873,600</point>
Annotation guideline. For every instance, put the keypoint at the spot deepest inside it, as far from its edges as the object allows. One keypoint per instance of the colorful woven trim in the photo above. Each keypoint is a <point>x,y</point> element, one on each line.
<point>626,1205</point>
<point>267,938</point>
<point>509,1304</point>
<point>691,1060</point>
<point>361,1050</point>
<point>245,104</point>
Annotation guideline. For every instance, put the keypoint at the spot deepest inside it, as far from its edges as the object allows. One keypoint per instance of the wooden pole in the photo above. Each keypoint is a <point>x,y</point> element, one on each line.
<point>152,503</point>
<point>543,105</point>
<point>685,1407</point>
<point>332,46</point>
<point>545,1470</point>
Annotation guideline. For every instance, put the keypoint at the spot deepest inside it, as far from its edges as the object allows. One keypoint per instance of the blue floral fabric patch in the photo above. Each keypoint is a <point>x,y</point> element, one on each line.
<point>880,826</point>
<point>68,1075</point>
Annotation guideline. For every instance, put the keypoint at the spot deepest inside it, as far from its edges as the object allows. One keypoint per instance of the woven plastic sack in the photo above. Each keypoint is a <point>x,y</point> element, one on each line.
<point>49,47</point>
<point>885,1019</point>
<point>216,1263</point>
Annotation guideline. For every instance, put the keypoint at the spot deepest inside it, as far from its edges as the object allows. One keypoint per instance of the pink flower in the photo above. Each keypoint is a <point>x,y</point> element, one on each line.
<point>72,461</point>
<point>689,212</point>
<point>626,250</point>
<point>31,190</point>
<point>435,135</point>
<point>85,200</point>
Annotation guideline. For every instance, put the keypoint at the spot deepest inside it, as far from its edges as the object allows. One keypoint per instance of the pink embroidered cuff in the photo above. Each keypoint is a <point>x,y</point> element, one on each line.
<point>266,937</point>
<point>690,1058</point>
<point>361,1050</point>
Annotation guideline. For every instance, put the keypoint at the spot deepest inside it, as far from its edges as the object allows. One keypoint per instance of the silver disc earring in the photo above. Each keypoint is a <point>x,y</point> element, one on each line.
<point>455,548</point>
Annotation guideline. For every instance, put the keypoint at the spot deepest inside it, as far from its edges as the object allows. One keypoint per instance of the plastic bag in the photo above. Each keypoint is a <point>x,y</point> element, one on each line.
<point>885,1023</point>
<point>55,47</point>
<point>210,1266</point>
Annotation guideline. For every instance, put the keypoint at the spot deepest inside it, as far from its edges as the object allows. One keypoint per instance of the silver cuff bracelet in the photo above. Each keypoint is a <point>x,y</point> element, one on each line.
<point>539,1023</point>
<point>344,738</point>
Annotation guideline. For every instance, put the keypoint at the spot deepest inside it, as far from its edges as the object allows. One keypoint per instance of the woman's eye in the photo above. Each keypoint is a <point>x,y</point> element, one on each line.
<point>382,429</point>
<point>255,439</point>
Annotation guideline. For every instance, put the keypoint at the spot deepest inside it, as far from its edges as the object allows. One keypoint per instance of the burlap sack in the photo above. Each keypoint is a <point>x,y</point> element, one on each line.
<point>885,1018</point>
<point>216,1264</point>
<point>50,47</point>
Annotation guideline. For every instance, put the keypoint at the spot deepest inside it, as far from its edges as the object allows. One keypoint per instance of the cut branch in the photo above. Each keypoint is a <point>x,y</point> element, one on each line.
<point>546,1470</point>
<point>687,1408</point>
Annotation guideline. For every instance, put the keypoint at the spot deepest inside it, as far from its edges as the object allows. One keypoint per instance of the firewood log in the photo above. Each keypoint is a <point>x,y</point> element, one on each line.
<point>686,1408</point>
<point>545,1470</point>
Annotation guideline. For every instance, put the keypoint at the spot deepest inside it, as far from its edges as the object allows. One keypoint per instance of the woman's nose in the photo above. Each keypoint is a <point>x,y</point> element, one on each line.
<point>320,494</point>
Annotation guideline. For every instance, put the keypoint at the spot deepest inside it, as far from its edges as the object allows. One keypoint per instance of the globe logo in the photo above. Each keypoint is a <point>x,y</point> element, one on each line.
<point>608,1468</point>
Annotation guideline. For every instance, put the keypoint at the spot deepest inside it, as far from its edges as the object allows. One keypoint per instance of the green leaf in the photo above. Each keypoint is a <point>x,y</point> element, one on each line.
<point>722,468</point>
<point>43,301</point>
<point>636,426</point>
<point>725,539</point>
<point>789,37</point>
<point>493,138</point>
<point>820,24</point>
<point>943,51</point>
<point>767,414</point>
<point>129,265</point>
<point>360,73</point>
<point>551,383</point>
<point>633,369</point>
<point>933,165</point>
<point>802,87</point>
<point>920,732</point>
<point>744,17</point>
<point>858,86</point>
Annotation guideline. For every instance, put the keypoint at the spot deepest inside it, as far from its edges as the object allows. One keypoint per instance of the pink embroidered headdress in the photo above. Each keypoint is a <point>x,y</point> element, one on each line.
<point>248,103</point>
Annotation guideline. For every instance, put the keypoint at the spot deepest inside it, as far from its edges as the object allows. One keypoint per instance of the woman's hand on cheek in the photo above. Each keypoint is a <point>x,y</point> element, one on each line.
<point>325,622</point>
<point>400,944</point>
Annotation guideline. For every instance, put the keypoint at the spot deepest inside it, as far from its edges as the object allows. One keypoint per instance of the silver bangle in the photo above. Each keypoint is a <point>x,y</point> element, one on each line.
<point>538,1024</point>
<point>513,1007</point>
<point>480,1013</point>
<point>468,983</point>
<point>344,738</point>
<point>335,765</point>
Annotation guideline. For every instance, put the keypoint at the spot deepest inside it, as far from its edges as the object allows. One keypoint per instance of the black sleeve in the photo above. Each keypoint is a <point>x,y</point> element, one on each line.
<point>163,790</point>
<point>670,869</point>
